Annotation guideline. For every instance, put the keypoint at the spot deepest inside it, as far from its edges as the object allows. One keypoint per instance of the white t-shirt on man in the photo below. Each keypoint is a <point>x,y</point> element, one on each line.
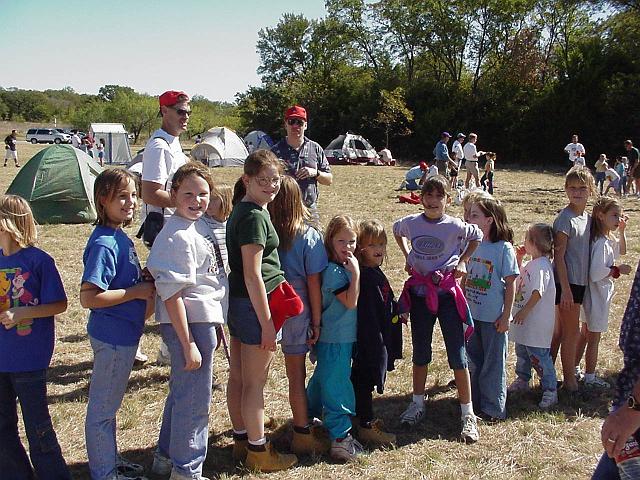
<point>572,148</point>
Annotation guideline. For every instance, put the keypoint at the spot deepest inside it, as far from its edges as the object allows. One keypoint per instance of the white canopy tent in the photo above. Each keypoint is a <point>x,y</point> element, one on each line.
<point>116,142</point>
<point>220,147</point>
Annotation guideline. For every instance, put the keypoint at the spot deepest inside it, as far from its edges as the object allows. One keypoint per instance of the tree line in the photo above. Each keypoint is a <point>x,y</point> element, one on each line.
<point>523,74</point>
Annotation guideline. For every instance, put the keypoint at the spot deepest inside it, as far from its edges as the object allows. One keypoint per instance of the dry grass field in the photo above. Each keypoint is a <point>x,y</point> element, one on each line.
<point>561,444</point>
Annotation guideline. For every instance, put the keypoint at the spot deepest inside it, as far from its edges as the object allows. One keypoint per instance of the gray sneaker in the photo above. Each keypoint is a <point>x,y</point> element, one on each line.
<point>413,414</point>
<point>469,433</point>
<point>549,399</point>
<point>346,450</point>
<point>597,382</point>
<point>128,469</point>
<point>161,465</point>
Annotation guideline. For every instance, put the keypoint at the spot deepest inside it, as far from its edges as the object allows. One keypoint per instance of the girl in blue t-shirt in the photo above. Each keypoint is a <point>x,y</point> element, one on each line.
<point>302,258</point>
<point>119,300</point>
<point>31,293</point>
<point>330,390</point>
<point>490,290</point>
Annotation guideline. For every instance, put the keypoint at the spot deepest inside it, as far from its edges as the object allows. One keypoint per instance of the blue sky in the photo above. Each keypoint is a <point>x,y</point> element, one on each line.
<point>205,47</point>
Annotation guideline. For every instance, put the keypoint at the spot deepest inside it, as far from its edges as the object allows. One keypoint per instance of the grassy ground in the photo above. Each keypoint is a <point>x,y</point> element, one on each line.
<point>562,443</point>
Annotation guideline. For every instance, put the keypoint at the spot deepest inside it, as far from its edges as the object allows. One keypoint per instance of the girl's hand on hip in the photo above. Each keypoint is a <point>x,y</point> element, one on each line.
<point>268,340</point>
<point>192,357</point>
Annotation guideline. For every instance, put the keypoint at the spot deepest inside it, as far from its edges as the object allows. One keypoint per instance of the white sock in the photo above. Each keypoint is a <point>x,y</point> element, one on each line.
<point>466,408</point>
<point>240,432</point>
<point>262,441</point>
<point>419,399</point>
<point>589,377</point>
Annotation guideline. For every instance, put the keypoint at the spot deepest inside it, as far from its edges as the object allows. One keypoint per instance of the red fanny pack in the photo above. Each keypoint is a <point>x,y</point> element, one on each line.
<point>284,303</point>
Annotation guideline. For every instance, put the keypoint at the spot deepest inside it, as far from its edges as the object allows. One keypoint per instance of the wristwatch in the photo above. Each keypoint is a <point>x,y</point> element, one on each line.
<point>633,404</point>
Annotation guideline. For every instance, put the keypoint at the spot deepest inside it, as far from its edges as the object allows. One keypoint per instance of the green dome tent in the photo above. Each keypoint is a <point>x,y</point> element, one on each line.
<point>58,183</point>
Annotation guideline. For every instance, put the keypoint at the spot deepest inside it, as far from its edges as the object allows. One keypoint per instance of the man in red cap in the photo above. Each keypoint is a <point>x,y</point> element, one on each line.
<point>161,158</point>
<point>304,158</point>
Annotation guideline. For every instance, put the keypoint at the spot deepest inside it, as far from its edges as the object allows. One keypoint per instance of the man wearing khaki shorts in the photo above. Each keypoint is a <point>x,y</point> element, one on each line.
<point>10,150</point>
<point>471,155</point>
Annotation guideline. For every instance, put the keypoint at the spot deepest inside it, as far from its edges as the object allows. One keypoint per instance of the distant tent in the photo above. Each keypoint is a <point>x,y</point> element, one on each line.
<point>349,149</point>
<point>116,148</point>
<point>257,139</point>
<point>220,147</point>
<point>58,183</point>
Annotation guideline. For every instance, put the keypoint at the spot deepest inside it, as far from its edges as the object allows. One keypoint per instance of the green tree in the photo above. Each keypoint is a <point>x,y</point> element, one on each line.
<point>394,115</point>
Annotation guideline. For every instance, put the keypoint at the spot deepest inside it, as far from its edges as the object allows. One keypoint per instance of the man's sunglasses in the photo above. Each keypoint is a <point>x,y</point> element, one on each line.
<point>181,111</point>
<point>295,121</point>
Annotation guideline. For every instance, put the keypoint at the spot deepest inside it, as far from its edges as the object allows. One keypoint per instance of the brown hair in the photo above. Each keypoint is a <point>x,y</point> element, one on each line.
<point>437,183</point>
<point>473,197</point>
<point>541,235</point>
<point>288,212</point>
<point>188,169</point>
<point>224,193</point>
<point>582,175</point>
<point>16,218</point>
<point>601,207</point>
<point>253,165</point>
<point>368,231</point>
<point>336,224</point>
<point>105,188</point>
<point>500,229</point>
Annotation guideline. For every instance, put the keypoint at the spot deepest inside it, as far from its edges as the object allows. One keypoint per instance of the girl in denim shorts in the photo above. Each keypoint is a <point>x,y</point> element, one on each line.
<point>436,248</point>
<point>303,258</point>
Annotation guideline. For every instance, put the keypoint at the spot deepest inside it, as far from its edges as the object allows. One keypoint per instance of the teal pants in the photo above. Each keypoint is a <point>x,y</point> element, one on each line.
<point>330,391</point>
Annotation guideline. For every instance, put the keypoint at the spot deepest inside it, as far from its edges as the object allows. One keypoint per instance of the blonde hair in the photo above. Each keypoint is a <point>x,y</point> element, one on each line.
<point>336,224</point>
<point>368,231</point>
<point>582,175</point>
<point>223,192</point>
<point>288,212</point>
<point>473,197</point>
<point>541,235</point>
<point>601,207</point>
<point>16,218</point>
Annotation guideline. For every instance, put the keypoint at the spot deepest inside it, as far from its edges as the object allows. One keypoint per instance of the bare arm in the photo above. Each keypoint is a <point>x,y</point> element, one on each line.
<point>9,318</point>
<point>524,312</point>
<point>349,298</point>
<point>91,296</point>
<point>562,277</point>
<point>404,248</point>
<point>502,323</point>
<point>620,425</point>
<point>251,265</point>
<point>178,315</point>
<point>154,194</point>
<point>325,178</point>
<point>461,268</point>
<point>315,302</point>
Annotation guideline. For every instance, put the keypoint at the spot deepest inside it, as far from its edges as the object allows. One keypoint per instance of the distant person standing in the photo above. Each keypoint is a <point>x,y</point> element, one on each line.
<point>161,158</point>
<point>441,154</point>
<point>304,159</point>
<point>456,149</point>
<point>75,139</point>
<point>10,149</point>
<point>633,155</point>
<point>198,139</point>
<point>471,155</point>
<point>573,148</point>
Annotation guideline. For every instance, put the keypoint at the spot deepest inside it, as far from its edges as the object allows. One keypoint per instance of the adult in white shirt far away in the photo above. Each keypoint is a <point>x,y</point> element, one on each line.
<point>471,155</point>
<point>458,156</point>
<point>572,149</point>
<point>75,139</point>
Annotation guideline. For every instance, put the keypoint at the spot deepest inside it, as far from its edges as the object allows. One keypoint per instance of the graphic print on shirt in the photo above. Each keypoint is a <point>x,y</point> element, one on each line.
<point>14,294</point>
<point>519,300</point>
<point>427,247</point>
<point>133,259</point>
<point>478,279</point>
<point>215,264</point>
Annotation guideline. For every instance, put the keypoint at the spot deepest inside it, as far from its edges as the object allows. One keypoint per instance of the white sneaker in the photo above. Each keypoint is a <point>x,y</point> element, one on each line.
<point>161,465</point>
<point>346,450</point>
<point>469,433</point>
<point>597,382</point>
<point>413,414</point>
<point>164,357</point>
<point>579,374</point>
<point>549,398</point>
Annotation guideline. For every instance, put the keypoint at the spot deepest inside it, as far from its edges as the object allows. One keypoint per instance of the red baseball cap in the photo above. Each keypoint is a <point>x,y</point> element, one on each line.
<point>171,97</point>
<point>295,112</point>
<point>423,165</point>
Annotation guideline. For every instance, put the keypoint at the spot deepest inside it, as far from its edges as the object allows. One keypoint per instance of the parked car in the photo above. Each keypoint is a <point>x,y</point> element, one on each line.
<point>47,135</point>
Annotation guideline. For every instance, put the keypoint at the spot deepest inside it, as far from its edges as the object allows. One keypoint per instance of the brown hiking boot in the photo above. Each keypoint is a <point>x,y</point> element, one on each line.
<point>239,452</point>
<point>269,460</point>
<point>375,435</point>
<point>312,443</point>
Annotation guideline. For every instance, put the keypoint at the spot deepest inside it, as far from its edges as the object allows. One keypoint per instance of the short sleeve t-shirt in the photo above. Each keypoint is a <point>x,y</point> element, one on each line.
<point>572,149</point>
<point>306,256</point>
<point>441,151</point>
<point>251,224</point>
<point>28,277</point>
<point>111,263</point>
<point>339,323</point>
<point>576,257</point>
<point>537,329</point>
<point>485,285</point>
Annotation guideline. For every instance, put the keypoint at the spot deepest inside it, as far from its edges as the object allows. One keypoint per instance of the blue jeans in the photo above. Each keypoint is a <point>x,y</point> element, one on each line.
<point>185,420</point>
<point>540,360</point>
<point>330,390</point>
<point>487,350</point>
<point>112,366</point>
<point>30,388</point>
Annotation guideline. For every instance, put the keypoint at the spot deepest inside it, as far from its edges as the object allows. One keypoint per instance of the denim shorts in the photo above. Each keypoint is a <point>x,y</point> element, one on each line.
<point>576,290</point>
<point>295,333</point>
<point>422,323</point>
<point>243,322</point>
